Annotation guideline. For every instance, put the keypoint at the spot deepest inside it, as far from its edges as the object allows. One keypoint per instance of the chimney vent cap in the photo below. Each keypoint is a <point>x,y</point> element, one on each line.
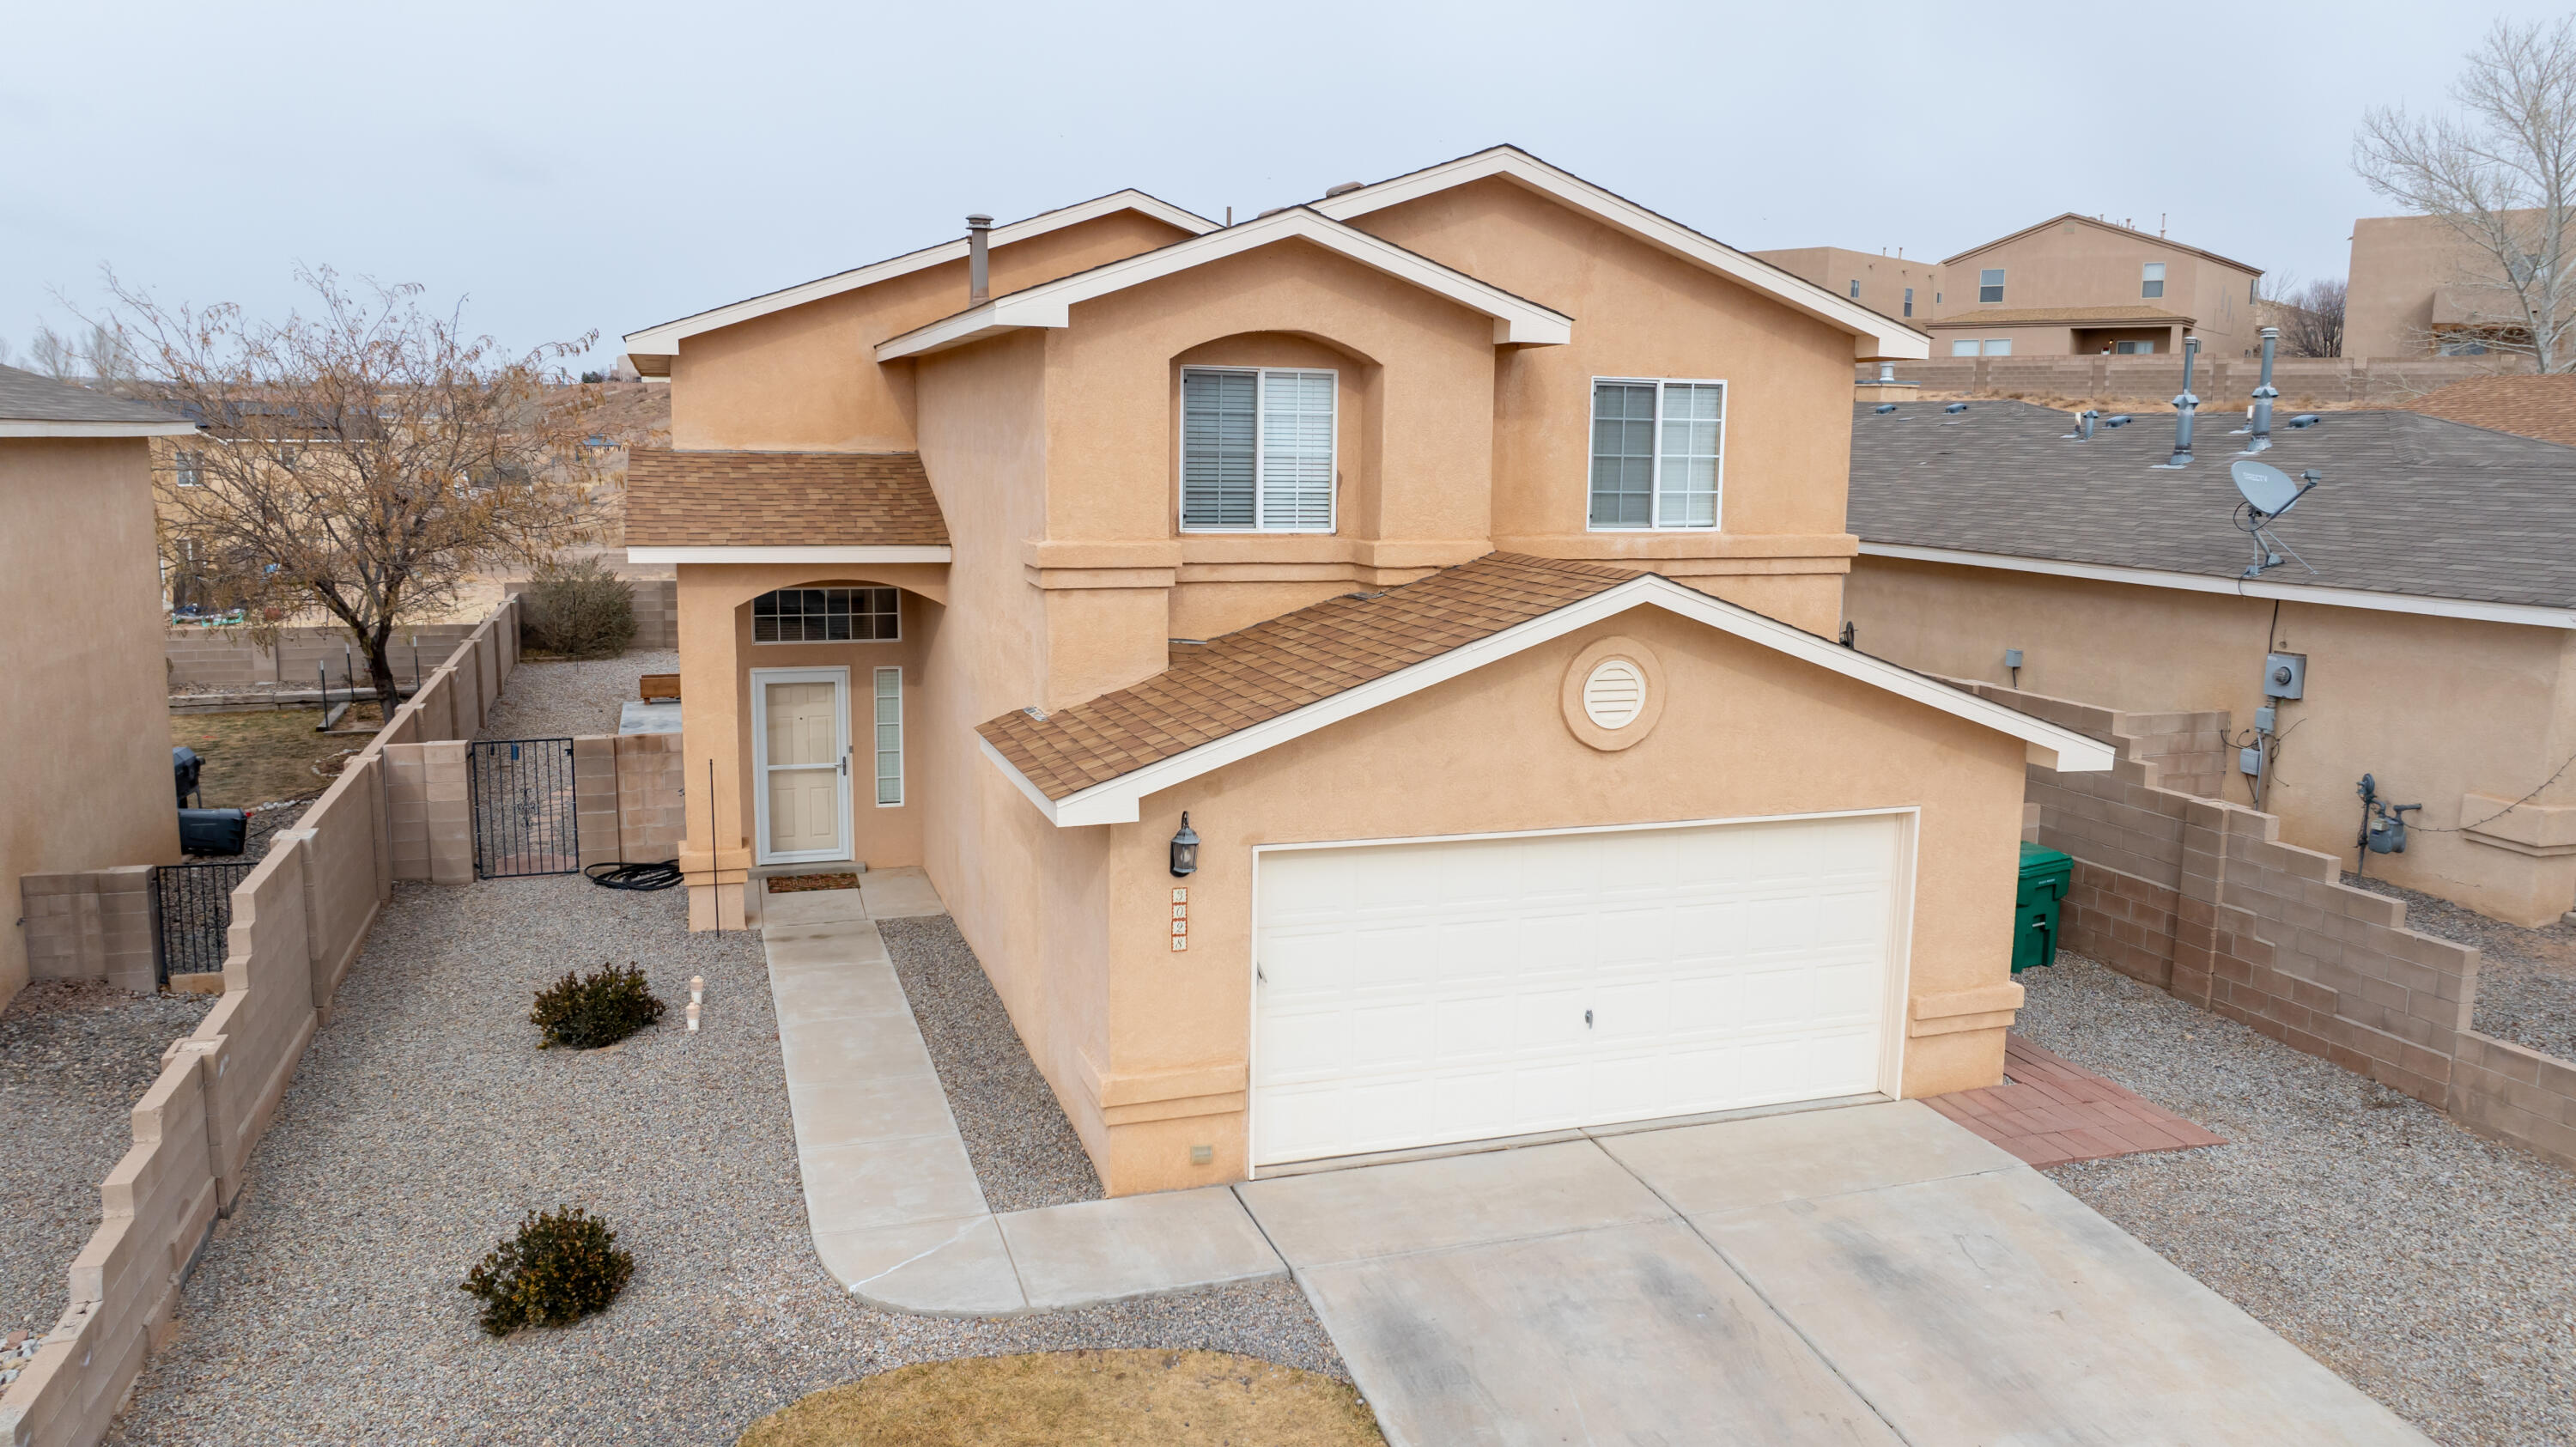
<point>979,222</point>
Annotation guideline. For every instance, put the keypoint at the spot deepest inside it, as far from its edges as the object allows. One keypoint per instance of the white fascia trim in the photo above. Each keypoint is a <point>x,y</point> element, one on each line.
<point>2530,614</point>
<point>1050,304</point>
<point>26,427</point>
<point>1875,337</point>
<point>1119,800</point>
<point>664,340</point>
<point>854,554</point>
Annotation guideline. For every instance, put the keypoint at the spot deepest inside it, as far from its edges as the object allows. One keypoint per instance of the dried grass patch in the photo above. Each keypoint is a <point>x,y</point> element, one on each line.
<point>1079,1399</point>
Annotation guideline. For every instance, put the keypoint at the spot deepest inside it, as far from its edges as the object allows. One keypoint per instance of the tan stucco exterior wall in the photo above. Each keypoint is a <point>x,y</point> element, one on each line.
<point>1643,313</point>
<point>2435,708</point>
<point>86,774</point>
<point>1883,280</point>
<point>806,378</point>
<point>2399,265</point>
<point>1746,733</point>
<point>2081,263</point>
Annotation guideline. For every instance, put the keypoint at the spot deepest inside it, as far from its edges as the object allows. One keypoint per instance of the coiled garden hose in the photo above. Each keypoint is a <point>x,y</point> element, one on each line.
<point>634,876</point>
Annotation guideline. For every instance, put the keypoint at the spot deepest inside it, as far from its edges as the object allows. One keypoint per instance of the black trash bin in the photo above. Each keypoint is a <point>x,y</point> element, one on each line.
<point>184,766</point>
<point>213,831</point>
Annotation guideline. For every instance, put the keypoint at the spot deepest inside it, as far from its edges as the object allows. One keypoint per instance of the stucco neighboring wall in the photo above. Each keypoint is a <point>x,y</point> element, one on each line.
<point>2436,709</point>
<point>86,771</point>
<point>1746,733</point>
<point>2077,262</point>
<point>1884,280</point>
<point>807,379</point>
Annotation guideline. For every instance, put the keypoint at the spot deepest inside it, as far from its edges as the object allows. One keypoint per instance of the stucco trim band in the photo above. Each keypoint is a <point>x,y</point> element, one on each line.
<point>849,553</point>
<point>2524,613</point>
<point>1119,800</point>
<point>1517,321</point>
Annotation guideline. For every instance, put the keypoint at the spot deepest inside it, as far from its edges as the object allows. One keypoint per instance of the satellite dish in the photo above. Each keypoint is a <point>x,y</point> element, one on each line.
<point>2267,489</point>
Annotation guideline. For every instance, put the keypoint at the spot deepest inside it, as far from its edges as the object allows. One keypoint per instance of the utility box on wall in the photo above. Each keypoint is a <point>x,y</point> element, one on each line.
<point>2285,675</point>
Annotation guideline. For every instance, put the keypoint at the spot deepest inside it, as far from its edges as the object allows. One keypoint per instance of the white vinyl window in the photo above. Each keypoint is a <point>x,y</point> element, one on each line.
<point>1967,348</point>
<point>2151,279</point>
<point>1990,284</point>
<point>1909,301</point>
<point>1999,347</point>
<point>889,737</point>
<point>1658,452</point>
<point>2133,349</point>
<point>1257,450</point>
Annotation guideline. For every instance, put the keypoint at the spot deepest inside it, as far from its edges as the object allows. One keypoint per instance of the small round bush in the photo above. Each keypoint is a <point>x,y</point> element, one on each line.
<point>563,1266</point>
<point>580,610</point>
<point>600,1008</point>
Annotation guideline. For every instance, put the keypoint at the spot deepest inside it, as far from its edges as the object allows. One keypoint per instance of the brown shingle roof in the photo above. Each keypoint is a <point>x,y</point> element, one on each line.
<point>780,499</point>
<point>1279,666</point>
<point>2541,407</point>
<point>2007,316</point>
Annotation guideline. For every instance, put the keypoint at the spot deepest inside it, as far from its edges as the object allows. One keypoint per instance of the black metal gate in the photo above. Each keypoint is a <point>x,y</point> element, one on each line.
<point>192,911</point>
<point>525,820</point>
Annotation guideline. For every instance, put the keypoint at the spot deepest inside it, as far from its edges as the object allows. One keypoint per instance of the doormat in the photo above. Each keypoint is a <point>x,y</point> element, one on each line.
<point>799,883</point>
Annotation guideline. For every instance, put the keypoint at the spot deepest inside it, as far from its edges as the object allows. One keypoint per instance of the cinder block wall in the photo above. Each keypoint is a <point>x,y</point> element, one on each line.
<point>224,657</point>
<point>2202,899</point>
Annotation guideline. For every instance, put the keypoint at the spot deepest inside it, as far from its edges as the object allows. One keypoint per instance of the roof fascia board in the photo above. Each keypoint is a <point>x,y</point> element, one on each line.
<point>39,427</point>
<point>1119,800</point>
<point>854,553</point>
<point>2529,614</point>
<point>1050,304</point>
<point>1875,337</point>
<point>2098,225</point>
<point>665,339</point>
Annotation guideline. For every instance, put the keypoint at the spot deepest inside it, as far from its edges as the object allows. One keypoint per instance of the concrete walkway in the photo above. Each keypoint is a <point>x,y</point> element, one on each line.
<point>897,1215</point>
<point>1868,1273</point>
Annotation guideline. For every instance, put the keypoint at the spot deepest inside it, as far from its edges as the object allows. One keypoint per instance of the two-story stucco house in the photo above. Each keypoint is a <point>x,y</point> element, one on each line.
<point>1460,554</point>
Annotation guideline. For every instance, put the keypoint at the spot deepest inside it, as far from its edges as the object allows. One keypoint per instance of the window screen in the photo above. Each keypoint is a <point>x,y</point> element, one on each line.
<point>824,615</point>
<point>1656,453</point>
<point>1990,284</point>
<point>1999,347</point>
<point>1257,450</point>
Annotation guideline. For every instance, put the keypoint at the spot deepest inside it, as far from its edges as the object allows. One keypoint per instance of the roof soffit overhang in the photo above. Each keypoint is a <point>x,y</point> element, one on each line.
<point>657,345</point>
<point>1875,337</point>
<point>1517,320</point>
<point>1120,800</point>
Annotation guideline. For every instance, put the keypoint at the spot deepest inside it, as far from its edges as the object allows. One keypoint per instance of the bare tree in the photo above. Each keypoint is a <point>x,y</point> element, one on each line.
<point>365,461</point>
<point>48,352</point>
<point>2310,314</point>
<point>2502,176</point>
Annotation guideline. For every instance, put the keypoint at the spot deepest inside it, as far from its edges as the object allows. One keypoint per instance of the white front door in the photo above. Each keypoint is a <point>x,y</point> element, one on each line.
<point>1417,993</point>
<point>801,762</point>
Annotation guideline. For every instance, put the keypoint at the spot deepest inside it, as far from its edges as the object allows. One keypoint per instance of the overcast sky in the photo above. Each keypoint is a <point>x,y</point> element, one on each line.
<point>566,168</point>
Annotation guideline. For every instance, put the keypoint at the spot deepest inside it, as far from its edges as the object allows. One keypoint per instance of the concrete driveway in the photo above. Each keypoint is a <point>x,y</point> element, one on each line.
<point>1867,1274</point>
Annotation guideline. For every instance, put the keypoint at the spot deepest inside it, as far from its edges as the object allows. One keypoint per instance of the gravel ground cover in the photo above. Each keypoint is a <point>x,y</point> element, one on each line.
<point>2430,1268</point>
<point>75,1055</point>
<point>425,1122</point>
<point>549,699</point>
<point>1024,1150</point>
<point>2526,977</point>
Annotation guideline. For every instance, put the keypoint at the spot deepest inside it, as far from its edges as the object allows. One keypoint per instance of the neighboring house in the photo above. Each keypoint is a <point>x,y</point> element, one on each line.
<point>2076,286</point>
<point>86,773</point>
<point>2437,634</point>
<point>1453,558</point>
<point>1889,285</point>
<point>2417,288</point>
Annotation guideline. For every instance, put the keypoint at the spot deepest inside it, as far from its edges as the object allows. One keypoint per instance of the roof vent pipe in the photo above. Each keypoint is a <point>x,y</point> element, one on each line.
<point>979,259</point>
<point>2185,404</point>
<point>2263,395</point>
<point>2090,416</point>
<point>1886,372</point>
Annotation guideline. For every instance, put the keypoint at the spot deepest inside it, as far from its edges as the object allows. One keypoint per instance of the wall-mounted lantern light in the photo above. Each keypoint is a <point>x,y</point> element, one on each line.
<point>1185,849</point>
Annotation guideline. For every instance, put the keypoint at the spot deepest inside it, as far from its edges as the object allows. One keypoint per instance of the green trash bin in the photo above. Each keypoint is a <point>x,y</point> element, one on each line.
<point>2045,876</point>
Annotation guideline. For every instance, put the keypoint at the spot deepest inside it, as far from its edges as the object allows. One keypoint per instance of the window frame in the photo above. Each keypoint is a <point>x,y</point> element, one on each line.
<point>1260,454</point>
<point>2151,274</point>
<point>1909,301</point>
<point>1998,347</point>
<point>1655,487</point>
<point>759,642</point>
<point>1996,286</point>
<point>1855,288</point>
<point>877,698</point>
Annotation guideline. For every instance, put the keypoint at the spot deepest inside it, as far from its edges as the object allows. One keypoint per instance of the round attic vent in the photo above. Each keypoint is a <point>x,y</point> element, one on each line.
<point>1614,693</point>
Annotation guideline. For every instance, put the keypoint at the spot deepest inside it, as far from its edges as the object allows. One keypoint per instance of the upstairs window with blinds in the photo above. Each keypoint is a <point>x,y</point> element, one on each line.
<point>1256,450</point>
<point>1658,450</point>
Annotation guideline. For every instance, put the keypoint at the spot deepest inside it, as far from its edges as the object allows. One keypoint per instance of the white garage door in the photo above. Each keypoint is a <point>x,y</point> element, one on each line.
<point>1411,994</point>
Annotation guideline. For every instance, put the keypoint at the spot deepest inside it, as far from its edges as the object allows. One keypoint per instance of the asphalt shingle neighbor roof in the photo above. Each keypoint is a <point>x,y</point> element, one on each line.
<point>28,397</point>
<point>780,499</point>
<point>1281,665</point>
<point>2409,505</point>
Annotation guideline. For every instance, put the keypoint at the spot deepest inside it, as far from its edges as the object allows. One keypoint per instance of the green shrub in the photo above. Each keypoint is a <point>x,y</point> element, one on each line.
<point>580,610</point>
<point>563,1266</point>
<point>596,1009</point>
